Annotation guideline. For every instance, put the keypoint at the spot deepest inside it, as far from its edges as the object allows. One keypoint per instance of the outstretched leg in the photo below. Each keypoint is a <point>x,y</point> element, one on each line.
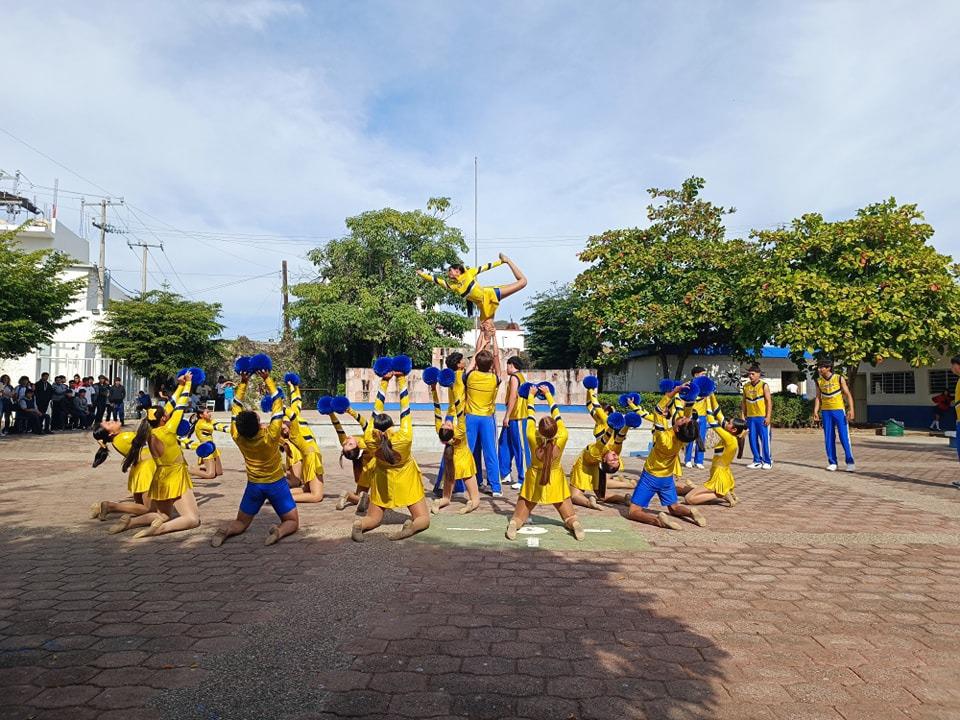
<point>520,514</point>
<point>578,497</point>
<point>570,521</point>
<point>187,515</point>
<point>519,284</point>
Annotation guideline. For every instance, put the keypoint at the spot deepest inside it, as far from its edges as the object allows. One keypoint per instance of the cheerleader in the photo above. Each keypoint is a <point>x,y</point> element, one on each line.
<point>301,436</point>
<point>545,481</point>
<point>463,282</point>
<point>210,466</point>
<point>458,462</point>
<point>139,471</point>
<point>354,450</point>
<point>266,480</point>
<point>719,488</point>
<point>171,489</point>
<point>396,481</point>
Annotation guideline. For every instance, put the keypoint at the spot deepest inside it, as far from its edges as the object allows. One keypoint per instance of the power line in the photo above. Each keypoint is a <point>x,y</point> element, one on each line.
<point>56,162</point>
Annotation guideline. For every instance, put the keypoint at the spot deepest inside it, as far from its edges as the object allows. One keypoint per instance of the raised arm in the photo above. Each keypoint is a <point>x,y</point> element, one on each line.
<point>488,266</point>
<point>554,408</point>
<point>276,408</point>
<point>715,416</point>
<point>338,428</point>
<point>437,416</point>
<point>434,279</point>
<point>182,404</point>
<point>236,407</point>
<point>296,402</point>
<point>596,410</point>
<point>381,396</point>
<point>358,417</point>
<point>406,419</point>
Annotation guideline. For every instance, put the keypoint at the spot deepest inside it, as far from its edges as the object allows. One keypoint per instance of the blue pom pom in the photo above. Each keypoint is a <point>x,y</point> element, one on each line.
<point>266,403</point>
<point>260,362</point>
<point>636,398</point>
<point>624,400</point>
<point>199,376</point>
<point>206,449</point>
<point>666,385</point>
<point>340,404</point>
<point>550,387</point>
<point>241,365</point>
<point>325,405</point>
<point>181,372</point>
<point>183,429</point>
<point>280,392</point>
<point>591,382</point>
<point>705,386</point>
<point>616,420</point>
<point>524,390</point>
<point>688,394</point>
<point>633,419</point>
<point>291,378</point>
<point>382,365</point>
<point>447,378</point>
<point>402,364</point>
<point>430,375</point>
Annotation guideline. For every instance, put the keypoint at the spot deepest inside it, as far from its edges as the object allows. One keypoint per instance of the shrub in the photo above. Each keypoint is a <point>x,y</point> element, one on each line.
<point>788,410</point>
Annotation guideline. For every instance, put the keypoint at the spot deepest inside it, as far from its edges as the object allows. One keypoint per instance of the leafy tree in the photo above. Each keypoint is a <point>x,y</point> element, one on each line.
<point>368,300</point>
<point>160,332</point>
<point>862,289</point>
<point>672,286</point>
<point>554,337</point>
<point>34,298</point>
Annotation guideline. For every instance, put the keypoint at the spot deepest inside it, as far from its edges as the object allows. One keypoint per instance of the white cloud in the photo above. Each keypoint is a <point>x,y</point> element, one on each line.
<point>255,14</point>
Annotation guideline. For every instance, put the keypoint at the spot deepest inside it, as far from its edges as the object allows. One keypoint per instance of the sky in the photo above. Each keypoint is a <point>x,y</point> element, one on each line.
<point>243,132</point>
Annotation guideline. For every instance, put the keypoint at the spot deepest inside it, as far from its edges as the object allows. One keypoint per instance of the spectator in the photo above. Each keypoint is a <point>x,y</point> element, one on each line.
<point>82,413</point>
<point>38,422</point>
<point>43,392</point>
<point>221,385</point>
<point>143,402</point>
<point>941,406</point>
<point>204,392</point>
<point>117,396</point>
<point>22,385</point>
<point>76,382</point>
<point>6,402</point>
<point>100,401</point>
<point>58,402</point>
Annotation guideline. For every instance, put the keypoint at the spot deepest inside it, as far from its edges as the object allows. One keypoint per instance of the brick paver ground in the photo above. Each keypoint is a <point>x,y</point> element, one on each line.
<point>820,596</point>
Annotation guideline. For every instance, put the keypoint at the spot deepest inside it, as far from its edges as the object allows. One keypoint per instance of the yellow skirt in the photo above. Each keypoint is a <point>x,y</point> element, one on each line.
<point>581,478</point>
<point>170,482</point>
<point>489,304</point>
<point>555,491</point>
<point>721,480</point>
<point>140,476</point>
<point>464,465</point>
<point>312,466</point>
<point>397,486</point>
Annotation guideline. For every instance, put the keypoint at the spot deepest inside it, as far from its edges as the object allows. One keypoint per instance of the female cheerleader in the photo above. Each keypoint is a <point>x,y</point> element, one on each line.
<point>139,472</point>
<point>545,480</point>
<point>211,466</point>
<point>311,488</point>
<point>463,282</point>
<point>171,489</point>
<point>600,456</point>
<point>354,450</point>
<point>719,488</point>
<point>396,481</point>
<point>458,462</point>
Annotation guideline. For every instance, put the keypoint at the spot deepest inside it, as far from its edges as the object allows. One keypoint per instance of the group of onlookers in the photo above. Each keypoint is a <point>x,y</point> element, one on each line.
<point>43,406</point>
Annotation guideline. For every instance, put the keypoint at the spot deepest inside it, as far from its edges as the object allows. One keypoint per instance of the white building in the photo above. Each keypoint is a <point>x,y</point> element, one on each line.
<point>72,350</point>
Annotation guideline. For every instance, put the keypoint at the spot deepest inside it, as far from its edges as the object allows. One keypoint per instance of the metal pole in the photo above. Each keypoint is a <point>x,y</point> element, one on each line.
<point>476,177</point>
<point>286,300</point>
<point>103,253</point>
<point>143,272</point>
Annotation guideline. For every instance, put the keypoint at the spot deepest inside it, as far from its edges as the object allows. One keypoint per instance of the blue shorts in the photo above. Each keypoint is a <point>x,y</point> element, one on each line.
<point>649,485</point>
<point>277,492</point>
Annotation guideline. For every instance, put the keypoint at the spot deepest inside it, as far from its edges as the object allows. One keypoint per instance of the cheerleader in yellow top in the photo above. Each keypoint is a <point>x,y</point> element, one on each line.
<point>719,488</point>
<point>211,466</point>
<point>139,472</point>
<point>828,407</point>
<point>397,481</point>
<point>463,282</point>
<point>545,481</point>
<point>174,506</point>
<point>458,462</point>
<point>353,449</point>
<point>301,436</point>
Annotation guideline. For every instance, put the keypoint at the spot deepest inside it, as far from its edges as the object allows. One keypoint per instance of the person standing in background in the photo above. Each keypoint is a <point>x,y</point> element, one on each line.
<point>221,386</point>
<point>828,409</point>
<point>43,392</point>
<point>58,402</point>
<point>757,407</point>
<point>103,396</point>
<point>117,396</point>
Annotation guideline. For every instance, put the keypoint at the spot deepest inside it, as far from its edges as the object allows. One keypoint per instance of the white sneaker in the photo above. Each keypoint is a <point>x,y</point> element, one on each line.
<point>688,464</point>
<point>516,486</point>
<point>831,467</point>
<point>851,467</point>
<point>699,466</point>
<point>496,494</point>
<point>756,466</point>
<point>767,466</point>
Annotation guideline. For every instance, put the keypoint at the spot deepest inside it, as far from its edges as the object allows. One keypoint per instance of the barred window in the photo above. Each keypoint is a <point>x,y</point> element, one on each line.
<point>893,383</point>
<point>941,380</point>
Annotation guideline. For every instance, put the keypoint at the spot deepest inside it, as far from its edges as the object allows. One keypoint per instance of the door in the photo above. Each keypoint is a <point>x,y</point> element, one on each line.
<point>859,391</point>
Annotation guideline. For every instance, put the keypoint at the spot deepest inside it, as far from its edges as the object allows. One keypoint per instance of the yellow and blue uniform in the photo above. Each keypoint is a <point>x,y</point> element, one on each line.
<point>513,447</point>
<point>487,299</point>
<point>203,430</point>
<point>141,473</point>
<point>172,479</point>
<point>368,461</point>
<point>833,418</point>
<point>758,434</point>
<point>585,473</point>
<point>721,476</point>
<point>709,415</point>
<point>398,484</point>
<point>464,465</point>
<point>302,437</point>
<point>956,410</point>
<point>556,489</point>
<point>266,480</point>
<point>662,463</point>
<point>480,389</point>
<point>457,397</point>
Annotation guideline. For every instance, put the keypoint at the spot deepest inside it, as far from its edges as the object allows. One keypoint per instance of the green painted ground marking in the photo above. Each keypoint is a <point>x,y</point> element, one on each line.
<point>545,532</point>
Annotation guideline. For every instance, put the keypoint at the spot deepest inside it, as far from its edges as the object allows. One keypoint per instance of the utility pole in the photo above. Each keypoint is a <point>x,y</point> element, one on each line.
<point>104,229</point>
<point>143,268</point>
<point>476,177</point>
<point>286,300</point>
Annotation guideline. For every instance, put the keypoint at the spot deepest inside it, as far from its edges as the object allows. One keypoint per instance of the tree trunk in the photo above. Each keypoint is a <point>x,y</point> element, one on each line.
<point>681,362</point>
<point>664,365</point>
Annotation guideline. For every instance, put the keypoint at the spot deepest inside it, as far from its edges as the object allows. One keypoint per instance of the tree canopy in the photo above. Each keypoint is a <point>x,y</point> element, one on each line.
<point>553,335</point>
<point>671,287</point>
<point>160,332</point>
<point>367,299</point>
<point>862,289</point>
<point>34,297</point>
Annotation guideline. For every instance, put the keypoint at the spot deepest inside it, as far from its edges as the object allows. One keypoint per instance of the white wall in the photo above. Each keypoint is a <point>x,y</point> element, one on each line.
<point>644,373</point>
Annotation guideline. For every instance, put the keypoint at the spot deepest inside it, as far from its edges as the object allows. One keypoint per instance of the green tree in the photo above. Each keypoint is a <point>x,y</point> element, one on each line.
<point>368,301</point>
<point>160,332</point>
<point>671,287</point>
<point>553,336</point>
<point>862,289</point>
<point>34,297</point>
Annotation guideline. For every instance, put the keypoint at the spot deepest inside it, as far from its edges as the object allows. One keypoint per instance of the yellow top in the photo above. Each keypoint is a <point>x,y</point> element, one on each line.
<point>466,286</point>
<point>517,410</point>
<point>203,430</point>
<point>302,437</point>
<point>397,484</point>
<point>831,394</point>
<point>167,433</point>
<point>481,389</point>
<point>556,489</point>
<point>725,450</point>
<point>368,461</point>
<point>260,453</point>
<point>585,473</point>
<point>756,403</point>
<point>463,461</point>
<point>956,397</point>
<point>663,458</point>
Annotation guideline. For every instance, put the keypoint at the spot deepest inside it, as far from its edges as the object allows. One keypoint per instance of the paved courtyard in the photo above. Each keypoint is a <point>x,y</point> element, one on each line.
<point>820,596</point>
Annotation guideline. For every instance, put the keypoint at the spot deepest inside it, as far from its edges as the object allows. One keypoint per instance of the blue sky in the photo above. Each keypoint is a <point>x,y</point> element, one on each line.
<point>257,126</point>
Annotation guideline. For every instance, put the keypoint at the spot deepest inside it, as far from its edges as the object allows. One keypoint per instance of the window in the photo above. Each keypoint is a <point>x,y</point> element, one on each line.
<point>893,383</point>
<point>941,380</point>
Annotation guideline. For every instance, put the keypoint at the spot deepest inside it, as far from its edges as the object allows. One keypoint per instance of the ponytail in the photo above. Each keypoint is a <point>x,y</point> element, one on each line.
<point>139,441</point>
<point>546,455</point>
<point>386,452</point>
<point>449,468</point>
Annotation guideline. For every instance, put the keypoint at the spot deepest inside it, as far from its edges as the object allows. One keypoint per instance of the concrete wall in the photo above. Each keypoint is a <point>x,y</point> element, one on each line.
<point>915,409</point>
